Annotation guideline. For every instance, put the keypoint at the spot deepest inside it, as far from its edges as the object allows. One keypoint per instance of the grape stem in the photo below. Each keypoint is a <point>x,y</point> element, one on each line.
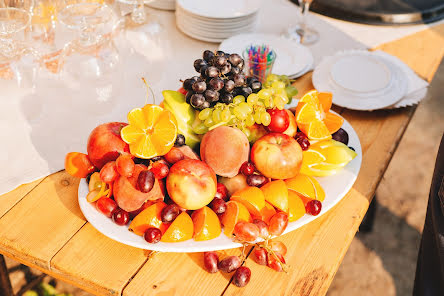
<point>148,92</point>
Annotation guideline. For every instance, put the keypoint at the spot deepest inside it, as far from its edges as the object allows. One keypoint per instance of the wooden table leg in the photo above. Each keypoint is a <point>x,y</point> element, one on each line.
<point>5,283</point>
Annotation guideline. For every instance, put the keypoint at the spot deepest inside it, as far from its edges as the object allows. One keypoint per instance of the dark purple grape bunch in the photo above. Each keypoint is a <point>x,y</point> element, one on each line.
<point>221,79</point>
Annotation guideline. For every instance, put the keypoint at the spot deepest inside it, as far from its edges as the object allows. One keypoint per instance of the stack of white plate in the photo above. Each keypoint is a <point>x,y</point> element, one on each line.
<point>292,59</point>
<point>163,4</point>
<point>361,80</point>
<point>214,21</point>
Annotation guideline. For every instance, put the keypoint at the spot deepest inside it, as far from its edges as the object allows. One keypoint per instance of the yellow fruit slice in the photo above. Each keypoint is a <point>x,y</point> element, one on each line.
<point>151,132</point>
<point>234,213</point>
<point>252,198</point>
<point>306,113</point>
<point>206,224</point>
<point>181,229</point>
<point>296,208</point>
<point>267,212</point>
<point>311,97</point>
<point>307,186</point>
<point>276,193</point>
<point>149,217</point>
<point>317,130</point>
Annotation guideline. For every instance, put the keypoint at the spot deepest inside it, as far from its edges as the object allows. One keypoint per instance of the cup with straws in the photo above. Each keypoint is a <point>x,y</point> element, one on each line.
<point>259,60</point>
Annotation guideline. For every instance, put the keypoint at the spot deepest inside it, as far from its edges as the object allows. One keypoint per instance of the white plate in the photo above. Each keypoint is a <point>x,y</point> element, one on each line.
<point>220,9</point>
<point>219,33</point>
<point>355,89</point>
<point>292,58</point>
<point>215,25</point>
<point>216,22</point>
<point>163,4</point>
<point>335,187</point>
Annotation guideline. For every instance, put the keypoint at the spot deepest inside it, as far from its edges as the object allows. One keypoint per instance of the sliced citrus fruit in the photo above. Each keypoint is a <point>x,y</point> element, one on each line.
<point>333,122</point>
<point>267,212</point>
<point>276,193</point>
<point>151,131</point>
<point>317,130</point>
<point>306,113</point>
<point>307,186</point>
<point>311,97</point>
<point>252,198</point>
<point>206,224</point>
<point>234,213</point>
<point>149,217</point>
<point>181,229</point>
<point>326,100</point>
<point>296,208</point>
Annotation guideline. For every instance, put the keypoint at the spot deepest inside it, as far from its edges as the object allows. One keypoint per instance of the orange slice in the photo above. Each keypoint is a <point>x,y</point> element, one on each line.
<point>252,198</point>
<point>149,217</point>
<point>317,130</point>
<point>306,113</point>
<point>181,229</point>
<point>267,212</point>
<point>307,186</point>
<point>296,208</point>
<point>151,131</point>
<point>333,122</point>
<point>234,213</point>
<point>276,193</point>
<point>206,224</point>
<point>326,100</point>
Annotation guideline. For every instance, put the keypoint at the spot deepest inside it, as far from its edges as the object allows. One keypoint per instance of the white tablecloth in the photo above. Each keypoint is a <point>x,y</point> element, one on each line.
<point>38,128</point>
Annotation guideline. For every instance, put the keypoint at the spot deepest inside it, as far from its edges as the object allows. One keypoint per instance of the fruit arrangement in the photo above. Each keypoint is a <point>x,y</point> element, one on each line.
<point>221,155</point>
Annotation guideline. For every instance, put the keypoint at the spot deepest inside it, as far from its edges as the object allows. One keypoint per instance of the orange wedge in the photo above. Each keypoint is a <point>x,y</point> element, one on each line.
<point>206,224</point>
<point>276,193</point>
<point>151,131</point>
<point>181,229</point>
<point>267,212</point>
<point>326,100</point>
<point>307,186</point>
<point>306,113</point>
<point>252,198</point>
<point>234,213</point>
<point>150,217</point>
<point>296,208</point>
<point>333,122</point>
<point>317,130</point>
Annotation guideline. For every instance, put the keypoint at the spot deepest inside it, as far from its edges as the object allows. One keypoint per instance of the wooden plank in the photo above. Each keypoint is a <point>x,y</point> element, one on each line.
<point>98,264</point>
<point>422,51</point>
<point>39,225</point>
<point>178,274</point>
<point>8,200</point>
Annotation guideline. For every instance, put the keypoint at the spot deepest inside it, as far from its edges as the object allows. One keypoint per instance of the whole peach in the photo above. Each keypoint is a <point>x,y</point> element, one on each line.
<point>191,184</point>
<point>225,149</point>
<point>105,143</point>
<point>277,156</point>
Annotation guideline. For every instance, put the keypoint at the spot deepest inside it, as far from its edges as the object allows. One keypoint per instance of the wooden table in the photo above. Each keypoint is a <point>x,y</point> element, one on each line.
<point>42,226</point>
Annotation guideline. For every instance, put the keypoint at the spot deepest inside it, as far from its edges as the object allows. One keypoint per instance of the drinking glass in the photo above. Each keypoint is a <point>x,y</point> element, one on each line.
<point>18,60</point>
<point>140,17</point>
<point>302,33</point>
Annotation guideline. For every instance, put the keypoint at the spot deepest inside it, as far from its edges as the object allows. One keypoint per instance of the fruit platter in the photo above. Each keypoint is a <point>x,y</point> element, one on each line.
<point>225,161</point>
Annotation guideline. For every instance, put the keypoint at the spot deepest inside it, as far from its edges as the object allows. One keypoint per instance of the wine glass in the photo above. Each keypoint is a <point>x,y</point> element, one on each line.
<point>140,17</point>
<point>302,33</point>
<point>17,60</point>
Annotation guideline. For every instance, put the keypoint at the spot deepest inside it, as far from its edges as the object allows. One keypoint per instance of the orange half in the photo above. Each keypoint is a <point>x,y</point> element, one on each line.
<point>151,131</point>
<point>181,229</point>
<point>206,224</point>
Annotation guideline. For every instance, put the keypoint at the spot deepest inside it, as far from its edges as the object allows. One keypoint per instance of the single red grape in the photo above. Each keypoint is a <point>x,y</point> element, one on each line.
<point>247,168</point>
<point>221,191</point>
<point>313,207</point>
<point>174,155</point>
<point>108,173</point>
<point>242,276</point>
<point>279,120</point>
<point>218,205</point>
<point>145,181</point>
<point>304,143</point>
<point>106,206</point>
<point>245,231</point>
<point>229,264</point>
<point>152,235</point>
<point>263,228</point>
<point>260,256</point>
<point>256,180</point>
<point>169,213</point>
<point>274,263</point>
<point>300,135</point>
<point>278,223</point>
<point>125,165</point>
<point>279,247</point>
<point>211,259</point>
<point>120,217</point>
<point>160,170</point>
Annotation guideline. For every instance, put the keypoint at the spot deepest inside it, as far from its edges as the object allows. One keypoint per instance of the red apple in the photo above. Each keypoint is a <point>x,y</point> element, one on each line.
<point>277,156</point>
<point>105,143</point>
<point>191,184</point>
<point>128,197</point>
